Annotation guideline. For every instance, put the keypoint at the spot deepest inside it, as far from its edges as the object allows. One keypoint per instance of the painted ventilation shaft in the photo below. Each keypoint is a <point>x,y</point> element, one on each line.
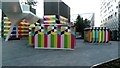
<point>23,29</point>
<point>97,35</point>
<point>53,36</point>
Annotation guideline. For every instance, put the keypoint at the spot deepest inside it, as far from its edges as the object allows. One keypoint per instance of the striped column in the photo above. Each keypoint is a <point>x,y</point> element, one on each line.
<point>41,39</point>
<point>54,40</point>
<point>36,40</point>
<point>99,35</point>
<point>67,40</point>
<point>59,37</point>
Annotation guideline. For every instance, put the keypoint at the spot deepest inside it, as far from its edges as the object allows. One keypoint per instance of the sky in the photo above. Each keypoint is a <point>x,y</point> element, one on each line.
<point>85,6</point>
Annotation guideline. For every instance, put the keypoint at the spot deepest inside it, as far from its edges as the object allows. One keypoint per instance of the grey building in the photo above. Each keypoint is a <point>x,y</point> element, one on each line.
<point>56,7</point>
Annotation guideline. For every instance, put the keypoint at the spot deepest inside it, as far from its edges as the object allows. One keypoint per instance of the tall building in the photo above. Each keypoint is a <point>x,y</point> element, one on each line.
<point>119,19</point>
<point>56,7</point>
<point>109,15</point>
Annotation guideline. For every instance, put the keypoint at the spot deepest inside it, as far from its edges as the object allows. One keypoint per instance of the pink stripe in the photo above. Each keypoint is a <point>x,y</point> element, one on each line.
<point>36,40</point>
<point>72,41</point>
<point>62,41</point>
<point>48,41</point>
<point>59,41</point>
<point>105,36</point>
<point>45,41</point>
<point>60,22</point>
<point>47,18</point>
<point>46,22</point>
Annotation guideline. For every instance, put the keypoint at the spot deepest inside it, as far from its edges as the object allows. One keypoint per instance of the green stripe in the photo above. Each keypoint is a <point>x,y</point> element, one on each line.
<point>69,41</point>
<point>56,40</point>
<point>65,41</point>
<point>30,39</point>
<point>40,40</point>
<point>52,41</point>
<point>100,36</point>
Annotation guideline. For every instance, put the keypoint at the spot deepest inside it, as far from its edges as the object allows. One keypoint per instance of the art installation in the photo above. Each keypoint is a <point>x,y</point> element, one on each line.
<point>53,35</point>
<point>6,27</point>
<point>55,19</point>
<point>97,35</point>
<point>23,29</point>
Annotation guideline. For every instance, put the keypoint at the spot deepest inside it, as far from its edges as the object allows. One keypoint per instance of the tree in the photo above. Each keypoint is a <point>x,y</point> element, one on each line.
<point>81,25</point>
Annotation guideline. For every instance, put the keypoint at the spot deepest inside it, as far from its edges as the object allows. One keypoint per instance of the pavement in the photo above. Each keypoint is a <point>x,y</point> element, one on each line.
<point>17,53</point>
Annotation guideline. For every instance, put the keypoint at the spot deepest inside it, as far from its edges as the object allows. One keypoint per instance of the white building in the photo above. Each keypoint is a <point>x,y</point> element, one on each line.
<point>109,14</point>
<point>119,19</point>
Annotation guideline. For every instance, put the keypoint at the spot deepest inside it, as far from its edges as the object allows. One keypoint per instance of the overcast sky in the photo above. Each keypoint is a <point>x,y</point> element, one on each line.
<point>85,6</point>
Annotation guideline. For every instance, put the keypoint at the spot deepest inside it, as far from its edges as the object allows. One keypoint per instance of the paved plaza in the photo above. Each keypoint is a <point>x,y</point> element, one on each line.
<point>17,53</point>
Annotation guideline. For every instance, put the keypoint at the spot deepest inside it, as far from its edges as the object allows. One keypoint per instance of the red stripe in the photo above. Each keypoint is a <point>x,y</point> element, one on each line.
<point>20,25</point>
<point>19,36</point>
<point>59,41</point>
<point>105,36</point>
<point>108,35</point>
<point>32,39</point>
<point>72,41</point>
<point>22,28</point>
<point>45,40</point>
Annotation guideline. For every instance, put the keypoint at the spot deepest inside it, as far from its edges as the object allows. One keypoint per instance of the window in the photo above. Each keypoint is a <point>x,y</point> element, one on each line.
<point>115,13</point>
<point>111,16</point>
<point>116,7</point>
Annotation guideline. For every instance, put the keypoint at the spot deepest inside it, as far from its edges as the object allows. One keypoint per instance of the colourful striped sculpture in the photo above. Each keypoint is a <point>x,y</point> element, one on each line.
<point>51,19</point>
<point>6,26</point>
<point>53,34</point>
<point>31,34</point>
<point>54,37</point>
<point>23,28</point>
<point>63,20</point>
<point>55,19</point>
<point>97,35</point>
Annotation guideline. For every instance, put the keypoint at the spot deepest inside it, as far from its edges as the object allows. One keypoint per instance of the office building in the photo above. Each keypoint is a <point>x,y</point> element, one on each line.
<point>109,16</point>
<point>119,20</point>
